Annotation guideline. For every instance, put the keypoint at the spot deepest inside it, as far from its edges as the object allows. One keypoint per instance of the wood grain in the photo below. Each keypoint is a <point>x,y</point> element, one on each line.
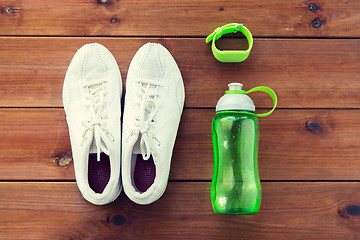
<point>294,145</point>
<point>181,18</point>
<point>307,51</point>
<point>305,73</point>
<point>288,211</point>
<point>32,143</point>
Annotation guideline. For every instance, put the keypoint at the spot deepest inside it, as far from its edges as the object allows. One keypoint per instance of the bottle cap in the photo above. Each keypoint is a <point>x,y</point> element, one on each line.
<point>235,99</point>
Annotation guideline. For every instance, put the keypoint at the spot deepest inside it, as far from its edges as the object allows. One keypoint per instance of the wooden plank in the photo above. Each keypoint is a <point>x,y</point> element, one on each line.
<point>289,211</point>
<point>305,73</point>
<point>32,143</point>
<point>294,145</point>
<point>181,18</point>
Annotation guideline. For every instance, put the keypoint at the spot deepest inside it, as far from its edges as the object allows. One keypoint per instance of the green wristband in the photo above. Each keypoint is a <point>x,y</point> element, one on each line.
<point>230,55</point>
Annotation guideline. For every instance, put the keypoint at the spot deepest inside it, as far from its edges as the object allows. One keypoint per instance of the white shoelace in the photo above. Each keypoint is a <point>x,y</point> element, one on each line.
<point>95,125</point>
<point>147,112</point>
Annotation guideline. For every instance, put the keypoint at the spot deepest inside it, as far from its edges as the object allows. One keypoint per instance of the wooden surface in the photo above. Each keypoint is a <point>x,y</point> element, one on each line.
<point>296,144</point>
<point>289,211</point>
<point>309,156</point>
<point>304,72</point>
<point>336,18</point>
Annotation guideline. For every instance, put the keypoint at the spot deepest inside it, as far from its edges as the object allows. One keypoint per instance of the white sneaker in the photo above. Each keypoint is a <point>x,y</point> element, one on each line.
<point>91,97</point>
<point>153,105</point>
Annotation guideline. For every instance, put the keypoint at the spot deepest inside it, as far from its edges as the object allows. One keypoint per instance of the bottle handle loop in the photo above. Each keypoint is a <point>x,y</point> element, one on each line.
<point>272,95</point>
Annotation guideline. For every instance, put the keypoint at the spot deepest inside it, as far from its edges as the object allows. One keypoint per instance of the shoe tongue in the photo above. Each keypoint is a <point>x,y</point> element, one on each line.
<point>93,148</point>
<point>136,149</point>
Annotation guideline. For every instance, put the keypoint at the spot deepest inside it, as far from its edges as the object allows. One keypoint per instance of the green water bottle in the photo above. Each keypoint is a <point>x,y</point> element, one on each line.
<point>235,187</point>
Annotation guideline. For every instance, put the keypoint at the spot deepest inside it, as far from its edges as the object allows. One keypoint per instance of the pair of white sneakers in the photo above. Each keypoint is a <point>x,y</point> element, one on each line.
<point>153,106</point>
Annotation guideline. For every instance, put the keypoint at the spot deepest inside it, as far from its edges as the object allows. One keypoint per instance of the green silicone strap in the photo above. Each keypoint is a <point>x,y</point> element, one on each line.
<point>268,91</point>
<point>230,55</point>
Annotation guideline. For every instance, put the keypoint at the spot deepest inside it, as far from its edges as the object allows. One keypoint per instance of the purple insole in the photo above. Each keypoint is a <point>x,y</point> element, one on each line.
<point>98,172</point>
<point>144,173</point>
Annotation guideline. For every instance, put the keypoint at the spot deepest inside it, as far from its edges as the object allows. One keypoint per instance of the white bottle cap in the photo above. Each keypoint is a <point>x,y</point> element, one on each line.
<point>235,101</point>
<point>235,86</point>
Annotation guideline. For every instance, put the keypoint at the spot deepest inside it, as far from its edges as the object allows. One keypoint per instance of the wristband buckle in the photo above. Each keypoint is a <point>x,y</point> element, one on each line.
<point>230,55</point>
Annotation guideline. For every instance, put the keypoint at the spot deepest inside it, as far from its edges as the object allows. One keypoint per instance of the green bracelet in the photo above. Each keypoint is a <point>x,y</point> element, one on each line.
<point>230,55</point>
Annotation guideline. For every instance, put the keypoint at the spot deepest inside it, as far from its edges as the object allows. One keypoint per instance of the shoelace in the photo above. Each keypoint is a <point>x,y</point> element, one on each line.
<point>95,125</point>
<point>147,112</point>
